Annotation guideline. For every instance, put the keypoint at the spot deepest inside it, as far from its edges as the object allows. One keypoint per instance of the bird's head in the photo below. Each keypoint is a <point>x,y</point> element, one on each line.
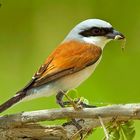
<point>95,31</point>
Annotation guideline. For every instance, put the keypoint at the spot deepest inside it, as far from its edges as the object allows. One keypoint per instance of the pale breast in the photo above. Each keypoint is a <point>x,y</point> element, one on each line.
<point>74,80</point>
<point>65,83</point>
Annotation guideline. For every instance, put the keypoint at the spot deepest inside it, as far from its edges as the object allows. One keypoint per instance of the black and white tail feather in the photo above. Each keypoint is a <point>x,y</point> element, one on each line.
<point>18,97</point>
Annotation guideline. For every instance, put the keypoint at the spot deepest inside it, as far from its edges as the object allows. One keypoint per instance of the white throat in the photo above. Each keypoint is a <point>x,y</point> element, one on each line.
<point>98,41</point>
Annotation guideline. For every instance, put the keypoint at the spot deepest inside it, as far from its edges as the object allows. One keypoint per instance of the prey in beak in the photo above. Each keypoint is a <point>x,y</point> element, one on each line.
<point>113,34</point>
<point>116,35</point>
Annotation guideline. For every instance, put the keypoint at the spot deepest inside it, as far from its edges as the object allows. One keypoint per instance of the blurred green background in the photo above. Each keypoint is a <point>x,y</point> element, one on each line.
<point>31,29</point>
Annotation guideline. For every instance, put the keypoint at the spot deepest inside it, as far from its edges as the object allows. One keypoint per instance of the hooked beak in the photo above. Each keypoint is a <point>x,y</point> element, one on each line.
<point>115,35</point>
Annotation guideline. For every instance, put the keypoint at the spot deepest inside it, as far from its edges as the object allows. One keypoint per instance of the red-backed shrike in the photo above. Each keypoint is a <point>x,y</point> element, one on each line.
<point>71,63</point>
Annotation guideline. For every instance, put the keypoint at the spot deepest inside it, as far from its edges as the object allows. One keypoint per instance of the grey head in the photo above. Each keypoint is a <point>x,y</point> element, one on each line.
<point>95,31</point>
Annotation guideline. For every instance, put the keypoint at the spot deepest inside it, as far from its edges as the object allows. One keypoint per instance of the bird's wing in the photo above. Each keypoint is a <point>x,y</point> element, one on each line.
<point>68,58</point>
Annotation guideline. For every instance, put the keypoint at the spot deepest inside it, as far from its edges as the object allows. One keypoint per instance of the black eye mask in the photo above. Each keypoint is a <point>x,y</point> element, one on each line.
<point>96,31</point>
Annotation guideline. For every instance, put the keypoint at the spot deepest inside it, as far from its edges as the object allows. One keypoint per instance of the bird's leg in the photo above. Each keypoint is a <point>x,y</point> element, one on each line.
<point>77,104</point>
<point>59,98</point>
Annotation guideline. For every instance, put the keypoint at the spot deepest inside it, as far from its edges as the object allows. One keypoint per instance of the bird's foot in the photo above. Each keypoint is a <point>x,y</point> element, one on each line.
<point>76,104</point>
<point>70,101</point>
<point>79,103</point>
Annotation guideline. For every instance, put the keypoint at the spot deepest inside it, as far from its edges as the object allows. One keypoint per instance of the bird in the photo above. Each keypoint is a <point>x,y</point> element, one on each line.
<point>70,64</point>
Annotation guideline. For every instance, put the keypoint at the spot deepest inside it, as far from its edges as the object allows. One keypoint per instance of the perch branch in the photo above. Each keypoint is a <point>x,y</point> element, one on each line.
<point>23,125</point>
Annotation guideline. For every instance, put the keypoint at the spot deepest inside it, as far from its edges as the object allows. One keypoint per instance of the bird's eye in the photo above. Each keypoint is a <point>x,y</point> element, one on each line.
<point>96,31</point>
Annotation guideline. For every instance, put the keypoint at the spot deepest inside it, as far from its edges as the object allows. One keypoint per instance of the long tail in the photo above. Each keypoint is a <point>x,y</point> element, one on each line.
<point>19,96</point>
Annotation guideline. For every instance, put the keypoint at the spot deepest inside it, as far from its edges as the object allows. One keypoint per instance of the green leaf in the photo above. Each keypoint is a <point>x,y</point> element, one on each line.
<point>128,130</point>
<point>73,93</point>
<point>115,135</point>
<point>84,100</point>
<point>121,130</point>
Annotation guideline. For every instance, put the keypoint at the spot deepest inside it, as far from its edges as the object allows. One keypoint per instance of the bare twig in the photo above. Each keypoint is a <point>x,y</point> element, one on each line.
<point>104,128</point>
